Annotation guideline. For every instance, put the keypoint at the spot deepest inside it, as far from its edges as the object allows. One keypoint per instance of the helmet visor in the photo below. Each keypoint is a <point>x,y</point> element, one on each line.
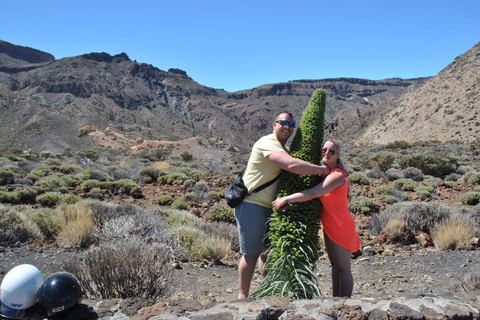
<point>7,312</point>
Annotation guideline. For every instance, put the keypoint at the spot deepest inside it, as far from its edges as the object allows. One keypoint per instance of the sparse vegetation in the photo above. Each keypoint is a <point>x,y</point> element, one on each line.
<point>130,269</point>
<point>48,198</point>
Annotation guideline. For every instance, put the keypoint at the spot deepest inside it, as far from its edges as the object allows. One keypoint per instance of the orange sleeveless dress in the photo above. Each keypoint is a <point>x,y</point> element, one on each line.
<point>337,221</point>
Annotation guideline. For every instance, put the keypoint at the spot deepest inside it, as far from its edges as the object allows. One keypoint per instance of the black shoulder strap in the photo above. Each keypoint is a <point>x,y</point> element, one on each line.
<point>263,186</point>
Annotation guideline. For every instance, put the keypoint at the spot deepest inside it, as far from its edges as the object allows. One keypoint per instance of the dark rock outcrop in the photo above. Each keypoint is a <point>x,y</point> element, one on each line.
<point>25,53</point>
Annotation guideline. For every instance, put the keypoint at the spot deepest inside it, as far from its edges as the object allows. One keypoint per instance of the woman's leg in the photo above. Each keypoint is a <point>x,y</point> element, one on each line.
<point>340,259</point>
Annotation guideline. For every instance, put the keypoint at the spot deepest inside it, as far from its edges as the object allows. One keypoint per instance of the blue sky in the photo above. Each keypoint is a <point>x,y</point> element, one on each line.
<point>236,45</point>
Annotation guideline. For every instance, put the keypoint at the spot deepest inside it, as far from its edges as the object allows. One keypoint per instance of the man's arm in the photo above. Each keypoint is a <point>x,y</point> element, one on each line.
<point>283,160</point>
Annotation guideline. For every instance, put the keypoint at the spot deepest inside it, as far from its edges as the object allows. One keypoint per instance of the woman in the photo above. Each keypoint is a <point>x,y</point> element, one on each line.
<point>341,238</point>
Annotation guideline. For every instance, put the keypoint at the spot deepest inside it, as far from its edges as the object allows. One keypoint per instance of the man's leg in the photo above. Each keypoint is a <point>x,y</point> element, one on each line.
<point>251,223</point>
<point>246,268</point>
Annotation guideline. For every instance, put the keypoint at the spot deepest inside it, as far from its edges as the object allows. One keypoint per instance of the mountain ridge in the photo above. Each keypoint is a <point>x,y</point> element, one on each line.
<point>46,104</point>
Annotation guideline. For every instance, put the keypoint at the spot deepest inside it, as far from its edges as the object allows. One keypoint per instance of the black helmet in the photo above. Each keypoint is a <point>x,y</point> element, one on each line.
<point>59,292</point>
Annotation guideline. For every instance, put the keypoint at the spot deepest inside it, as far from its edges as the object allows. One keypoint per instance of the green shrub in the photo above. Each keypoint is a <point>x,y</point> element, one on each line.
<point>70,199</point>
<point>164,199</point>
<point>434,164</point>
<point>383,160</point>
<point>215,194</point>
<point>359,178</point>
<point>190,196</point>
<point>470,198</point>
<point>148,175</point>
<point>432,182</point>
<point>69,169</point>
<point>383,190</point>
<point>450,184</point>
<point>362,205</point>
<point>194,174</point>
<point>425,192</point>
<point>186,156</point>
<point>177,218</point>
<point>387,198</point>
<point>39,172</point>
<point>50,183</point>
<point>47,222</point>
<point>124,186</point>
<point>474,179</point>
<point>220,212</point>
<point>398,144</point>
<point>52,162</point>
<point>7,176</point>
<point>95,193</point>
<point>49,199</point>
<point>176,178</point>
<point>8,197</point>
<point>26,195</point>
<point>405,184</point>
<point>393,174</point>
<point>88,185</point>
<point>179,203</point>
<point>412,173</point>
<point>188,182</point>
<point>91,154</point>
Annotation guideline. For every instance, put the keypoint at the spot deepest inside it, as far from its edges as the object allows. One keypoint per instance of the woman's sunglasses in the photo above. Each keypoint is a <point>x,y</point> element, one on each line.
<point>330,151</point>
<point>283,123</point>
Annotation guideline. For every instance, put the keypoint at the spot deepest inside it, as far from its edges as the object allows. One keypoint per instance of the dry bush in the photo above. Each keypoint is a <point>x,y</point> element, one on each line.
<point>198,245</point>
<point>452,233</point>
<point>395,228</point>
<point>16,225</point>
<point>77,224</point>
<point>124,270</point>
<point>210,247</point>
<point>417,217</point>
<point>223,229</point>
<point>149,225</point>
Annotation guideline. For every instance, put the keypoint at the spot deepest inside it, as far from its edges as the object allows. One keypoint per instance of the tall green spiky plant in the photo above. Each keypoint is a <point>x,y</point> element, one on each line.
<point>294,233</point>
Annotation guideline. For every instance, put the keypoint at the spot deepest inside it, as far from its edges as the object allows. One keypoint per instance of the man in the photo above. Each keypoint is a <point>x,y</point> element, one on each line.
<point>268,158</point>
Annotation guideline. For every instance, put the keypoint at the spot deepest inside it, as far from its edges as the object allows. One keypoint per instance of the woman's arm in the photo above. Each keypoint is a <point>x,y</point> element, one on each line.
<point>331,182</point>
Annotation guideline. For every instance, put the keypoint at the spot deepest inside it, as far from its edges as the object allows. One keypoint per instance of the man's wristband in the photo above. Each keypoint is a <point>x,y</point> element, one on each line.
<point>286,198</point>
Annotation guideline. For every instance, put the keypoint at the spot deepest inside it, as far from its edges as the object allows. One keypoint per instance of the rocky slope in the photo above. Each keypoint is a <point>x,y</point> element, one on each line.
<point>45,105</point>
<point>445,108</point>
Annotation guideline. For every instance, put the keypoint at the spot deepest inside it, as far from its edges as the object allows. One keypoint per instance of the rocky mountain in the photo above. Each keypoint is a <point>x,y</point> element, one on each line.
<point>24,53</point>
<point>445,108</point>
<point>97,100</point>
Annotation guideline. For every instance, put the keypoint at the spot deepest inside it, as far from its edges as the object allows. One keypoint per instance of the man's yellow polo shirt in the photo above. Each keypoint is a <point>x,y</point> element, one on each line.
<point>260,170</point>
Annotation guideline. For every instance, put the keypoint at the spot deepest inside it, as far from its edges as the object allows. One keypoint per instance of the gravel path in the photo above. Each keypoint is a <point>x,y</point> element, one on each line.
<point>411,274</point>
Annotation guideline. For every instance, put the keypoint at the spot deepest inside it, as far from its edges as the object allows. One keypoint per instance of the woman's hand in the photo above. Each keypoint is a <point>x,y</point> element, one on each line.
<point>280,203</point>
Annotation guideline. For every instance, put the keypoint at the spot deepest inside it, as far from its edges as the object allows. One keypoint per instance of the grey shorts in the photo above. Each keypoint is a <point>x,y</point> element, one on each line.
<point>252,223</point>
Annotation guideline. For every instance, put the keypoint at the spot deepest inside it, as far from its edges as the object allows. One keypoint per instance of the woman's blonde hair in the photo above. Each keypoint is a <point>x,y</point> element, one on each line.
<point>339,159</point>
<point>340,162</point>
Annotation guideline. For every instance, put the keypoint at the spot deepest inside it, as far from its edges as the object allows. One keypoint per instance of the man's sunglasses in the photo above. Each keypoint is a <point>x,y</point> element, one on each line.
<point>330,151</point>
<point>283,123</point>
